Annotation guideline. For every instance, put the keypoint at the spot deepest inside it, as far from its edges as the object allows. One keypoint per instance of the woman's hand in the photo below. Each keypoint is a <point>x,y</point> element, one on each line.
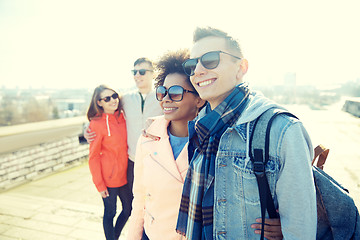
<point>104,194</point>
<point>272,228</point>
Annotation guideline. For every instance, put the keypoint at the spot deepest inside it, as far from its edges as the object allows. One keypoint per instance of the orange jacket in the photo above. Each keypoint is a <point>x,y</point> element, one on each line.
<point>108,155</point>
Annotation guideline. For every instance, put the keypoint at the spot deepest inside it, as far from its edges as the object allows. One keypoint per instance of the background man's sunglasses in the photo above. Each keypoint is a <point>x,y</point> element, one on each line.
<point>175,92</point>
<point>141,71</point>
<point>107,99</point>
<point>209,60</point>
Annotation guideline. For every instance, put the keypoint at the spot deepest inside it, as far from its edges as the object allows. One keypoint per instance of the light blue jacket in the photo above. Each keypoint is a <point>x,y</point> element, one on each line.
<point>289,174</point>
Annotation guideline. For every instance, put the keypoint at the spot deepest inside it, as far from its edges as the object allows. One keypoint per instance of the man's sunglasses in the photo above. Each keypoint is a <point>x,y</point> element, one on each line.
<point>108,98</point>
<point>141,71</point>
<point>176,93</point>
<point>209,60</point>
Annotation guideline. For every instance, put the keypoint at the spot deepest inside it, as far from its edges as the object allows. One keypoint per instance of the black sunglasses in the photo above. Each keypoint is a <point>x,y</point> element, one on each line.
<point>141,71</point>
<point>175,92</point>
<point>209,60</point>
<point>107,99</point>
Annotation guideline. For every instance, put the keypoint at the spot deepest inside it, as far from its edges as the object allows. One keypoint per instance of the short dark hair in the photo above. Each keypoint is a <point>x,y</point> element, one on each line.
<point>171,62</point>
<point>231,43</point>
<point>144,60</point>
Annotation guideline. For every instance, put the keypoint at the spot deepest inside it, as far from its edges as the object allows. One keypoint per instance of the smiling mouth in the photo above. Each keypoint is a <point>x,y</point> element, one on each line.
<point>167,109</point>
<point>206,82</point>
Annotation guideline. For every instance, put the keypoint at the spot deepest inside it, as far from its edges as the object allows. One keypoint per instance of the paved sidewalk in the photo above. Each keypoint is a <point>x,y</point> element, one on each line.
<point>63,206</point>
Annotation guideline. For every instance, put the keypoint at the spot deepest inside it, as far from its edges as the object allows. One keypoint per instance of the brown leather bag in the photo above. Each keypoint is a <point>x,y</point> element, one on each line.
<point>320,155</point>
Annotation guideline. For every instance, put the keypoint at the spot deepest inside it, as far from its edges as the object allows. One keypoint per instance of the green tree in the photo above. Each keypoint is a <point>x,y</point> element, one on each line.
<point>33,111</point>
<point>55,113</point>
<point>9,112</point>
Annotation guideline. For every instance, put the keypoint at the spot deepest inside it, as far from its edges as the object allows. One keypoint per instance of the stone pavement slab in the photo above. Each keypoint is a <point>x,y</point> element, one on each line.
<point>64,206</point>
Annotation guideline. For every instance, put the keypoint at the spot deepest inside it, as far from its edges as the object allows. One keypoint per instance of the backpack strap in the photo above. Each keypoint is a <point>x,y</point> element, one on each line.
<point>320,153</point>
<point>259,155</point>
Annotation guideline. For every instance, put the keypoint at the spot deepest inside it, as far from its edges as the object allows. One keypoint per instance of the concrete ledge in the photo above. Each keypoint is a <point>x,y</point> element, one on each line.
<point>33,134</point>
<point>44,125</point>
<point>352,106</point>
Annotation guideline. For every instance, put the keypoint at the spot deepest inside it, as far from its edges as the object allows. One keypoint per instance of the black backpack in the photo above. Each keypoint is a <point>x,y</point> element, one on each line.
<point>330,195</point>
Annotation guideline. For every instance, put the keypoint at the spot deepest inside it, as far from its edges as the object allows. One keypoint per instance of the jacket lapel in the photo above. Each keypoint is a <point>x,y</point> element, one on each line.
<point>162,154</point>
<point>183,162</point>
<point>161,151</point>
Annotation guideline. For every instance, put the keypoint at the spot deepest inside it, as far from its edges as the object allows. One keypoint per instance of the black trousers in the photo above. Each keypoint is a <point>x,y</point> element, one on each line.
<point>130,175</point>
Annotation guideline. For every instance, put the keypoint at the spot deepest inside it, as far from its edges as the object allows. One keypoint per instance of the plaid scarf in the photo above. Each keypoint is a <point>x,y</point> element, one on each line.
<point>195,220</point>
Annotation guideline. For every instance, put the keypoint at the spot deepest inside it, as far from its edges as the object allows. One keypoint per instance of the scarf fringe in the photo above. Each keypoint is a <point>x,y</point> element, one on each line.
<point>181,233</point>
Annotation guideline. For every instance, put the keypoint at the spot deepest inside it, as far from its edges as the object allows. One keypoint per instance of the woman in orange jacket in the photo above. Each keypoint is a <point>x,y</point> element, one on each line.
<point>108,157</point>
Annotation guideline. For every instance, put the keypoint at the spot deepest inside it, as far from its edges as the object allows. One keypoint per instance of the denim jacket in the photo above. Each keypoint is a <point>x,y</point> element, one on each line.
<point>289,174</point>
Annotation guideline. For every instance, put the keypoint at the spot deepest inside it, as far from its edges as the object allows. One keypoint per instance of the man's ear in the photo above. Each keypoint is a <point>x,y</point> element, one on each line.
<point>243,67</point>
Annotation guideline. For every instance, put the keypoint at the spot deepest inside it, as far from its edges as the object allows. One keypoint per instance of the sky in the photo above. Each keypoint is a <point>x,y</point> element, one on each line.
<point>84,43</point>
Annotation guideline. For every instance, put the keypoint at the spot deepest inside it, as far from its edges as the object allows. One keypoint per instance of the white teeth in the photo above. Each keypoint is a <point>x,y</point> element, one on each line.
<point>169,109</point>
<point>201,84</point>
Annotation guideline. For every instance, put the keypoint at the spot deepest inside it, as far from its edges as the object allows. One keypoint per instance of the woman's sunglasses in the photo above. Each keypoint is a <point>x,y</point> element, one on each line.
<point>141,71</point>
<point>176,93</point>
<point>108,98</point>
<point>209,60</point>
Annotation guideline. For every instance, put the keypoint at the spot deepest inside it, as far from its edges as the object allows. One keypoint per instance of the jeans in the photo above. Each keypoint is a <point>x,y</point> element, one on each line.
<point>144,236</point>
<point>130,175</point>
<point>125,195</point>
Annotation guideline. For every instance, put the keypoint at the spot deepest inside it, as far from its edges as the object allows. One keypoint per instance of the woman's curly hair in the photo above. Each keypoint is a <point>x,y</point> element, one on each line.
<point>171,62</point>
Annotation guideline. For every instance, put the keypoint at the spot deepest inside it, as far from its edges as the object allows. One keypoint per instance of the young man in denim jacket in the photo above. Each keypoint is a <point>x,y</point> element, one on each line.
<point>220,196</point>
